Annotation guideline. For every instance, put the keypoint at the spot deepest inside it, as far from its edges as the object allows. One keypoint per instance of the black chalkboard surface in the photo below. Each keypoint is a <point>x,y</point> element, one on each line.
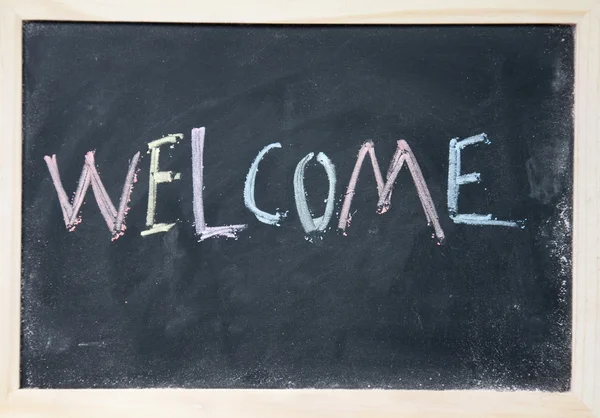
<point>194,214</point>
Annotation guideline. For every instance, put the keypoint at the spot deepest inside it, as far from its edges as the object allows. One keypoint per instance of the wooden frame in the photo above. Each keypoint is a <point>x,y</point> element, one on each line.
<point>584,398</point>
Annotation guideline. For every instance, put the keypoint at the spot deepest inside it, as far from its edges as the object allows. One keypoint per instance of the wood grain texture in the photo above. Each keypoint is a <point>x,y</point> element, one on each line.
<point>10,199</point>
<point>322,403</point>
<point>292,404</point>
<point>586,214</point>
<point>309,11</point>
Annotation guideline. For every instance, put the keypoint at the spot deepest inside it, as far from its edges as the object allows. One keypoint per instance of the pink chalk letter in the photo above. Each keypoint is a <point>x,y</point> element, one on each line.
<point>115,219</point>
<point>384,189</point>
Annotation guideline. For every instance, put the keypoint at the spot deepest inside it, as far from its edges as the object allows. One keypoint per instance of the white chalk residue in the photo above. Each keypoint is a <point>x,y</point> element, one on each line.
<point>560,235</point>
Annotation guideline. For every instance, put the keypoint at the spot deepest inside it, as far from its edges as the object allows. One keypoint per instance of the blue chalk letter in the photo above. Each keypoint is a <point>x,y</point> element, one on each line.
<point>264,217</point>
<point>456,179</point>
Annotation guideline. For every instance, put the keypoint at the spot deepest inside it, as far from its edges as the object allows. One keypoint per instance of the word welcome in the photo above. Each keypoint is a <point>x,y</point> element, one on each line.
<point>115,218</point>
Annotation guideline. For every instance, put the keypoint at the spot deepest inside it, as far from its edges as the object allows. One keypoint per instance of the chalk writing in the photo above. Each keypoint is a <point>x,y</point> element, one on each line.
<point>115,220</point>
<point>456,179</point>
<point>264,217</point>
<point>403,154</point>
<point>157,177</point>
<point>308,223</point>
<point>202,230</point>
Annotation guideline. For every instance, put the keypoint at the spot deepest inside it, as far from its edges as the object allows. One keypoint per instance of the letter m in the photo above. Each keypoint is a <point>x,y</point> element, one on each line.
<point>384,188</point>
<point>115,219</point>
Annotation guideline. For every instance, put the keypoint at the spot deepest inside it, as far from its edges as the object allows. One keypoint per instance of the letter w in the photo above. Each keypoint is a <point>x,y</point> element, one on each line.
<point>89,176</point>
<point>384,190</point>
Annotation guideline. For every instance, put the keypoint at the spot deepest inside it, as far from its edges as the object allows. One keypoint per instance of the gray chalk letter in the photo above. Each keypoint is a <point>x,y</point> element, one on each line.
<point>309,223</point>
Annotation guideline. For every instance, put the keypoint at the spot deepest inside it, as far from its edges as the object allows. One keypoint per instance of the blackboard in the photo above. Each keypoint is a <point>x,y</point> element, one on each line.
<point>317,284</point>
